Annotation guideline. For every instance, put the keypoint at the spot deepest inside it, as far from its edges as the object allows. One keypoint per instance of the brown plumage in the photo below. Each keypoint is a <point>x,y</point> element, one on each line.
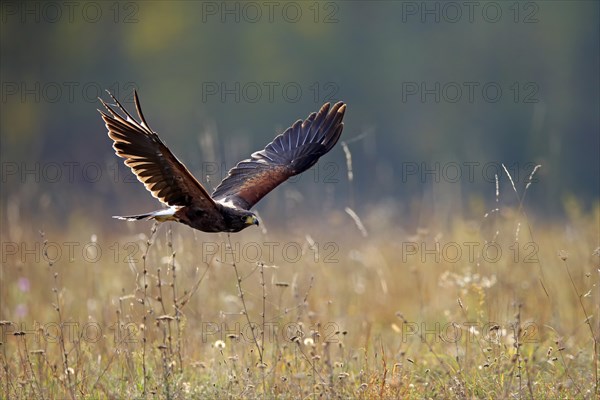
<point>227,210</point>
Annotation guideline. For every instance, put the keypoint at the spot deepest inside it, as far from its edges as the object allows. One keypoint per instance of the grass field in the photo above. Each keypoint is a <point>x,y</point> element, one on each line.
<point>500,307</point>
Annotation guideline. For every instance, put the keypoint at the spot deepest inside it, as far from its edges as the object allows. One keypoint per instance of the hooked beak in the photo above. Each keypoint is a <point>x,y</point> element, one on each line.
<point>252,220</point>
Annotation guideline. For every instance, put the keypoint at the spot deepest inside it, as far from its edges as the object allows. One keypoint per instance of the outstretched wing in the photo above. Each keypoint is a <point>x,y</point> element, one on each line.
<point>291,153</point>
<point>151,161</point>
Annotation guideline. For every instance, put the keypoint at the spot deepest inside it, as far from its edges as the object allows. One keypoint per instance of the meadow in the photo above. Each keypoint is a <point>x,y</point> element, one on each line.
<point>445,264</point>
<point>501,306</point>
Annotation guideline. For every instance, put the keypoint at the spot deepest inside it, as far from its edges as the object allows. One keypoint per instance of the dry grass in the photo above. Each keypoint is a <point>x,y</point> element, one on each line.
<point>390,315</point>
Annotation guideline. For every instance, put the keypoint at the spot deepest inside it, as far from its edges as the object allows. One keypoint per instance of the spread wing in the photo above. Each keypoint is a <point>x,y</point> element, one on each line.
<point>151,161</point>
<point>291,153</point>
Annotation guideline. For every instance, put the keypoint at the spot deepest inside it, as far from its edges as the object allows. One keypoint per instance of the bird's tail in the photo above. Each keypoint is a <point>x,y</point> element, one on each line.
<point>133,217</point>
<point>160,216</point>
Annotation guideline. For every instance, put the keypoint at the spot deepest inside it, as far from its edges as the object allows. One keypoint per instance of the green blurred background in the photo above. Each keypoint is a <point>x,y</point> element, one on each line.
<point>219,79</point>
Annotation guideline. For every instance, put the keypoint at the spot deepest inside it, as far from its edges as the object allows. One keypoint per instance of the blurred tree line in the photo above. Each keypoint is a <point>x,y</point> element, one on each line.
<point>439,95</point>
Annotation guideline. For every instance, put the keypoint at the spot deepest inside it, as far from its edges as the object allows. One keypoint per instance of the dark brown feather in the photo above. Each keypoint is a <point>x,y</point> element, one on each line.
<point>289,154</point>
<point>151,161</point>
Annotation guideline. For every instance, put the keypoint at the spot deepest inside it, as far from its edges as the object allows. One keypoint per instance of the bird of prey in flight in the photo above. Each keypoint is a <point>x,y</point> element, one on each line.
<point>228,208</point>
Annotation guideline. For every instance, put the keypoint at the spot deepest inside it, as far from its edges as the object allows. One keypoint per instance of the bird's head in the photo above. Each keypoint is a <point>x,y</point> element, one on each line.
<point>250,219</point>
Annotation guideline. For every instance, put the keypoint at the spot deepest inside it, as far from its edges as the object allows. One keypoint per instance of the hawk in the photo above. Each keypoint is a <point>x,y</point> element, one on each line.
<point>228,208</point>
